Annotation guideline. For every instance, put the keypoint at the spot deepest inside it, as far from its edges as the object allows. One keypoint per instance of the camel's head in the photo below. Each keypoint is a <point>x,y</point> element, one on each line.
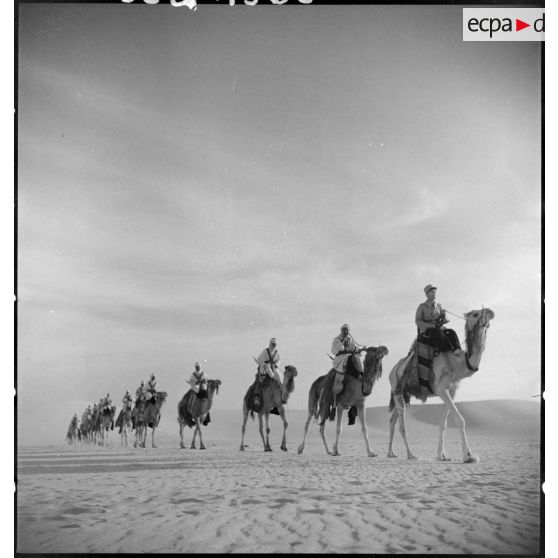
<point>288,381</point>
<point>476,324</point>
<point>161,396</point>
<point>291,370</point>
<point>213,386</point>
<point>476,318</point>
<point>373,367</point>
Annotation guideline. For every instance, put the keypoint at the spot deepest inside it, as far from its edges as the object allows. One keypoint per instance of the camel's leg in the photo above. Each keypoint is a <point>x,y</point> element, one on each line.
<point>153,437</point>
<point>267,430</point>
<point>442,434</point>
<point>144,436</point>
<point>400,408</point>
<point>181,432</point>
<point>260,418</point>
<point>362,417</point>
<point>392,423</point>
<point>301,447</point>
<point>322,434</point>
<point>337,431</point>
<point>198,426</point>
<point>285,426</point>
<point>468,456</point>
<point>244,419</point>
<point>193,444</point>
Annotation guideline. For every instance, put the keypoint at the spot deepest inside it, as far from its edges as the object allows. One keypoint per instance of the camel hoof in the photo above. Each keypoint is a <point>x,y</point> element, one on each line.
<point>392,455</point>
<point>154,446</point>
<point>411,457</point>
<point>444,458</point>
<point>372,454</point>
<point>241,448</point>
<point>284,448</point>
<point>202,447</point>
<point>471,459</point>
<point>335,454</point>
<point>300,449</point>
<point>182,446</point>
<point>193,447</point>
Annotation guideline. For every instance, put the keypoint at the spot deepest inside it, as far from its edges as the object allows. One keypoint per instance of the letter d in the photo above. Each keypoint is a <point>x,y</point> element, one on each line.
<point>538,26</point>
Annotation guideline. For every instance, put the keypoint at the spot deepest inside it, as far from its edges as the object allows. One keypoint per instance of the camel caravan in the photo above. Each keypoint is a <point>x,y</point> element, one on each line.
<point>434,367</point>
<point>98,420</point>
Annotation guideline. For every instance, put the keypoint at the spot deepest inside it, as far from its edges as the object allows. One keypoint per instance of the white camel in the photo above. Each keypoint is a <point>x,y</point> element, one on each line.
<point>449,369</point>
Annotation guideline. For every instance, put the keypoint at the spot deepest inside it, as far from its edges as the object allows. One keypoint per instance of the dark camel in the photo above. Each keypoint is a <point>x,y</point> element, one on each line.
<point>195,414</point>
<point>151,418</point>
<point>355,391</point>
<point>272,395</point>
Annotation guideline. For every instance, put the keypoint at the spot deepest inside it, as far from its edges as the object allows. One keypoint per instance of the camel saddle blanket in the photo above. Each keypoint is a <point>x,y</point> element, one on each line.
<point>418,377</point>
<point>254,396</point>
<point>186,408</point>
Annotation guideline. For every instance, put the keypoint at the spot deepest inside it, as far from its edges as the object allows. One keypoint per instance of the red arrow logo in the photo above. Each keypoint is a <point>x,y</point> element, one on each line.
<point>519,25</point>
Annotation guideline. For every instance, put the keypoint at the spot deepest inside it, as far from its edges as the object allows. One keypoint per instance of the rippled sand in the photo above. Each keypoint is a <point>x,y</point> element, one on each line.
<point>91,499</point>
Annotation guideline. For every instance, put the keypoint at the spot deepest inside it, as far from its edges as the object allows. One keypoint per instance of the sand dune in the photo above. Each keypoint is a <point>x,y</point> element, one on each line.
<point>92,499</point>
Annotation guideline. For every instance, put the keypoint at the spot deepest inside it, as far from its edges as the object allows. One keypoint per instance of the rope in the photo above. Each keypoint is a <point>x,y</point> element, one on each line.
<point>456,315</point>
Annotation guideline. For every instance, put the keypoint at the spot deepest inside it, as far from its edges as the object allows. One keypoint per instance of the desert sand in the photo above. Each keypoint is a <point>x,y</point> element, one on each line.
<point>111,499</point>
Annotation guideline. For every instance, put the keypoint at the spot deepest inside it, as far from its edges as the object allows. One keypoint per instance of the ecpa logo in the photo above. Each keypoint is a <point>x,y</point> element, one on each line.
<point>503,24</point>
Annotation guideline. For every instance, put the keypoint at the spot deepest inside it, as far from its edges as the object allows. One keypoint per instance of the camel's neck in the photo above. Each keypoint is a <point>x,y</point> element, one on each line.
<point>284,394</point>
<point>210,394</point>
<point>475,349</point>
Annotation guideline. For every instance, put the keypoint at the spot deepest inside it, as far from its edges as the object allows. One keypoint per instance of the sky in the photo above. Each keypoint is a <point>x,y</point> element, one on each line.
<point>191,184</point>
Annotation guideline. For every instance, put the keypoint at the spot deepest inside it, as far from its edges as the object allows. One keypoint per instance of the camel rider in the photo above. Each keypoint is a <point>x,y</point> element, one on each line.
<point>140,393</point>
<point>343,348</point>
<point>152,388</point>
<point>74,419</point>
<point>268,361</point>
<point>107,403</point>
<point>127,400</point>
<point>198,381</point>
<point>430,318</point>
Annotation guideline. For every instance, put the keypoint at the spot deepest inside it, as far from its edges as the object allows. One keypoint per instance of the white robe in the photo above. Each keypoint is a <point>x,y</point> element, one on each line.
<point>271,369</point>
<point>340,361</point>
<point>196,379</point>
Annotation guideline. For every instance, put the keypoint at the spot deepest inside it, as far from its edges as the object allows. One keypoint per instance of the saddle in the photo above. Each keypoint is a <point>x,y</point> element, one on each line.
<point>202,394</point>
<point>341,377</point>
<point>254,397</point>
<point>418,377</point>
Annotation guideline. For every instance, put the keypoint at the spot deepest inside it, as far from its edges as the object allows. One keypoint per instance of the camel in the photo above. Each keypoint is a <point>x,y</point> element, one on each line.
<point>449,369</point>
<point>150,417</point>
<point>355,391</point>
<point>272,395</point>
<point>196,413</point>
<point>85,429</point>
<point>106,422</point>
<point>138,422</point>
<point>124,422</point>
<point>72,434</point>
<point>95,426</point>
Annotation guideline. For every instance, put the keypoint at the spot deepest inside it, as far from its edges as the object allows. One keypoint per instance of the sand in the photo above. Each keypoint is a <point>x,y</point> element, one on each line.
<point>93,499</point>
